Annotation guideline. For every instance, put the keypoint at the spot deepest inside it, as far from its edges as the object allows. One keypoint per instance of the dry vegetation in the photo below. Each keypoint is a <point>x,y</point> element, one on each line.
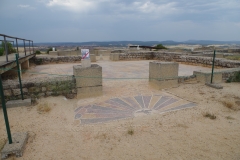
<point>2,143</point>
<point>43,108</point>
<point>231,105</point>
<point>236,57</point>
<point>209,115</point>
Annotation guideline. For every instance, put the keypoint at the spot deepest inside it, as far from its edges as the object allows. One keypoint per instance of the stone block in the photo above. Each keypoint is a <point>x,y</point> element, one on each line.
<point>158,84</point>
<point>53,53</point>
<point>16,92</point>
<point>86,63</point>
<point>89,92</point>
<point>19,141</point>
<point>18,103</point>
<point>163,70</point>
<point>93,57</point>
<point>114,56</point>
<point>163,74</point>
<point>205,77</point>
<point>7,92</point>
<point>88,77</point>
<point>33,89</point>
<point>44,89</point>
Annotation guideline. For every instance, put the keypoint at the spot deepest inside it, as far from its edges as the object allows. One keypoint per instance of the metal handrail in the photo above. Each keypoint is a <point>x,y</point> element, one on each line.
<point>16,38</point>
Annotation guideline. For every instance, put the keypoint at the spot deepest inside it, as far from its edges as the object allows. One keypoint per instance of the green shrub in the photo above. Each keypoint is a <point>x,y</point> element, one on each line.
<point>235,78</point>
<point>160,46</point>
<point>38,52</point>
<point>10,48</point>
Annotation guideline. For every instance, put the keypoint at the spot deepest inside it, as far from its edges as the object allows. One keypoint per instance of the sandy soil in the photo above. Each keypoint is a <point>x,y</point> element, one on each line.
<point>183,134</point>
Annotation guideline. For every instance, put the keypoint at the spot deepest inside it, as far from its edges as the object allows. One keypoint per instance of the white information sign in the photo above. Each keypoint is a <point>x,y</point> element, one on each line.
<point>85,53</point>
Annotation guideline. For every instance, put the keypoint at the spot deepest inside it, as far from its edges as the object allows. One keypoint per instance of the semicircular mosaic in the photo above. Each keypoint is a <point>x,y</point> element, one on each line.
<point>129,107</point>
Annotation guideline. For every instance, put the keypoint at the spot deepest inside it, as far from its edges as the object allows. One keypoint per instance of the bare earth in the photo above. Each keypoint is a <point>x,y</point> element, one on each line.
<point>182,134</point>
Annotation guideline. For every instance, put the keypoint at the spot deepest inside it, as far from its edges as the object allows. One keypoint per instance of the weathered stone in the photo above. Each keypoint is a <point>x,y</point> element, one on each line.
<point>25,90</point>
<point>16,92</point>
<point>8,92</point>
<point>33,89</point>
<point>49,93</point>
<point>88,77</point>
<point>19,141</point>
<point>44,89</point>
<point>41,94</point>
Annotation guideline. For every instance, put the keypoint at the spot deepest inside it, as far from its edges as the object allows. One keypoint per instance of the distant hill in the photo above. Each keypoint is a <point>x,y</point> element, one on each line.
<point>145,43</point>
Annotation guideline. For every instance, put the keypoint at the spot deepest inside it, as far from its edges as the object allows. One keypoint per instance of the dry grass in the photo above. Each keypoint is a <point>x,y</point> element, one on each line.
<point>130,131</point>
<point>230,118</point>
<point>43,108</point>
<point>209,115</point>
<point>230,104</point>
<point>235,57</point>
<point>2,143</point>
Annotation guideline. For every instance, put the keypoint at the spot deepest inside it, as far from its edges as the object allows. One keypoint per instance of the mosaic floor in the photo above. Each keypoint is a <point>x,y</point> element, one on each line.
<point>129,107</point>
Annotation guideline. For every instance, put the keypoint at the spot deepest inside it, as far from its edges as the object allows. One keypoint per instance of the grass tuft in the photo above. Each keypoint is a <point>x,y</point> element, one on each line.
<point>209,115</point>
<point>230,118</point>
<point>43,108</point>
<point>130,131</point>
<point>2,143</point>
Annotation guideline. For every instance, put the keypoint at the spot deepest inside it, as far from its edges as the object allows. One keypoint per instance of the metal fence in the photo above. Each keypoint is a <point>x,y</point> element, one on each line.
<point>5,40</point>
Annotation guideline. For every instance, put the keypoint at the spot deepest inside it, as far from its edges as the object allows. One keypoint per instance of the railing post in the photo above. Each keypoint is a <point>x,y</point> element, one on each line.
<point>19,76</point>
<point>213,65</point>
<point>29,47</point>
<point>5,112</point>
<point>6,48</point>
<point>24,47</point>
<point>32,47</point>
<point>17,45</point>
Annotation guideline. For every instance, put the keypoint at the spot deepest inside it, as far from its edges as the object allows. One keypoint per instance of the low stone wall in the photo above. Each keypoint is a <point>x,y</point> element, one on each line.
<point>59,59</point>
<point>143,55</point>
<point>40,88</point>
<point>178,57</point>
<point>208,61</point>
<point>230,73</point>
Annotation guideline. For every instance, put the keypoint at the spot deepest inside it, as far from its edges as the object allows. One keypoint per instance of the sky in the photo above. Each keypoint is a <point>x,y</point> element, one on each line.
<point>118,20</point>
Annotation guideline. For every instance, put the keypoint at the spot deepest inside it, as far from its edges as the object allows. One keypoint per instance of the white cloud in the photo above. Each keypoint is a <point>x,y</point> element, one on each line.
<point>73,5</point>
<point>23,6</point>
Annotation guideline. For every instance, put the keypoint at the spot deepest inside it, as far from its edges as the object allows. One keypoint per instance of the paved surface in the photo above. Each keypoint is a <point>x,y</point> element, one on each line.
<point>128,107</point>
<point>126,91</point>
<point>111,70</point>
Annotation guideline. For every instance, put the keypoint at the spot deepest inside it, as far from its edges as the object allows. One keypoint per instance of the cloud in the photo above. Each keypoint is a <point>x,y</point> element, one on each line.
<point>72,5</point>
<point>25,6</point>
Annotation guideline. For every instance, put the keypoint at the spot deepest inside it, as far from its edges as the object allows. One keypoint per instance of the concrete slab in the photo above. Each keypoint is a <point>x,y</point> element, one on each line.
<point>18,103</point>
<point>217,86</point>
<point>19,141</point>
<point>205,77</point>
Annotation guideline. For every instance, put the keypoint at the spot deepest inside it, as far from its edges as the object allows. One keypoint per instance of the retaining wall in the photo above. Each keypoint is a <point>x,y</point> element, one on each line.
<point>59,59</point>
<point>178,57</point>
<point>208,61</point>
<point>40,88</point>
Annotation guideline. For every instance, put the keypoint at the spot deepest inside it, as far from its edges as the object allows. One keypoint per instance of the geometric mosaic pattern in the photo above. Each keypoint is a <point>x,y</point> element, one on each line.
<point>128,107</point>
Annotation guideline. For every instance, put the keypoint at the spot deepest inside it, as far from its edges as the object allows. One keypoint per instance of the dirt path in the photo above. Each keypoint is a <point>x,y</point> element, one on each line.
<point>183,134</point>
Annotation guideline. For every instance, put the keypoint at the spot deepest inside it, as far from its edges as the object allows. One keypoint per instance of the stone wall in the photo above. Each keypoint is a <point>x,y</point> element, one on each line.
<point>59,59</point>
<point>143,55</point>
<point>208,61</point>
<point>178,57</point>
<point>40,88</point>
